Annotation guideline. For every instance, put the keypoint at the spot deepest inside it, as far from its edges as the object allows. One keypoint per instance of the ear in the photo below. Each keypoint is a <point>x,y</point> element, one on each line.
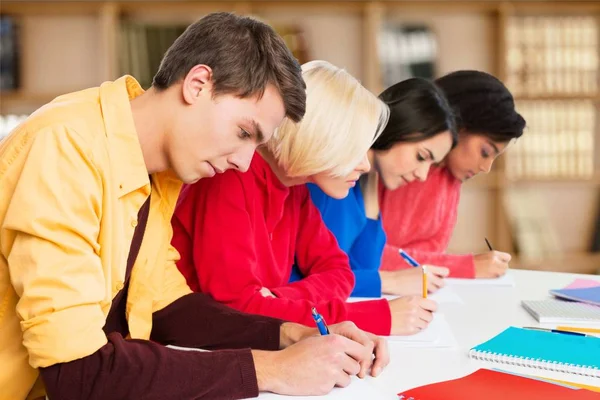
<point>197,83</point>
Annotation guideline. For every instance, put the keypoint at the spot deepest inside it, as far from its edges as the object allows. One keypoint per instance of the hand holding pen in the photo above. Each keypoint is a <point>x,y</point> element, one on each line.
<point>432,277</point>
<point>376,346</point>
<point>492,264</point>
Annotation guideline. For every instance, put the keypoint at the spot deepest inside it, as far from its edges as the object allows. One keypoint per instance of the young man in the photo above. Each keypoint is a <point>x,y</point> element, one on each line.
<point>89,183</point>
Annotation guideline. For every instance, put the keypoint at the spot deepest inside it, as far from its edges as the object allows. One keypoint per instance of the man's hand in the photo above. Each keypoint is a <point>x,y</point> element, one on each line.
<point>292,333</point>
<point>375,345</point>
<point>312,366</point>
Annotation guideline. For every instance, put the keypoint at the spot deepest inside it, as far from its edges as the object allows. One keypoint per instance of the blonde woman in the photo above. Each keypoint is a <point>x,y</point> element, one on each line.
<point>239,234</point>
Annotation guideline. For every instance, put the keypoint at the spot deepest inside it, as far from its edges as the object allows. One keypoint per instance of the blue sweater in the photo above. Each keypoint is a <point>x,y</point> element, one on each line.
<point>361,238</point>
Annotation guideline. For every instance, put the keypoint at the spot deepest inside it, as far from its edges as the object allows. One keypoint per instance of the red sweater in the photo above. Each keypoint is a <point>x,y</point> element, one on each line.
<point>240,232</point>
<point>420,218</point>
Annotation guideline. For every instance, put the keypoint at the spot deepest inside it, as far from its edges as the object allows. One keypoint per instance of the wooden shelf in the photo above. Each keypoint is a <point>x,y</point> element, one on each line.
<point>25,7</point>
<point>24,103</point>
<point>593,180</point>
<point>28,97</point>
<point>581,263</point>
<point>63,7</point>
<point>570,96</point>
<point>497,180</point>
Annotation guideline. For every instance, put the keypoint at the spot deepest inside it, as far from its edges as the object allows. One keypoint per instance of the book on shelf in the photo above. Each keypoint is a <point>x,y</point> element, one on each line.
<point>295,39</point>
<point>552,54</point>
<point>406,51</point>
<point>9,53</point>
<point>143,45</point>
<point>559,143</point>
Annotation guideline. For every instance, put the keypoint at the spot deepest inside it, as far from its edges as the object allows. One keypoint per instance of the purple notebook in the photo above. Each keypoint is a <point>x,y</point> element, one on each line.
<point>590,295</point>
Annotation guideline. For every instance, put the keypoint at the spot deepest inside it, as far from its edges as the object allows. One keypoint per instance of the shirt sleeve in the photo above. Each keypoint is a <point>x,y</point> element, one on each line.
<point>365,259</point>
<point>460,265</point>
<point>140,369</point>
<point>198,321</point>
<point>231,277</point>
<point>53,261</point>
<point>323,264</point>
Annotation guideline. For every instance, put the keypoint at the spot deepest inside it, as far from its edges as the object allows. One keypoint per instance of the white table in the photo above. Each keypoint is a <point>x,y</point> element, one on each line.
<point>487,310</point>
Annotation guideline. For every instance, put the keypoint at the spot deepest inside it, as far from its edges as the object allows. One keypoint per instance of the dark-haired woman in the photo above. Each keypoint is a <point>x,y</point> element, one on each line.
<point>420,217</point>
<point>420,132</point>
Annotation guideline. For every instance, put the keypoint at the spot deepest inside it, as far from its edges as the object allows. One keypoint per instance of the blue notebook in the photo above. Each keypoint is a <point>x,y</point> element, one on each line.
<point>558,352</point>
<point>589,295</point>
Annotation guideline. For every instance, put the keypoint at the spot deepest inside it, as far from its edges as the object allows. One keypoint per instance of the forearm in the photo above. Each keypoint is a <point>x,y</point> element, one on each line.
<point>460,265</point>
<point>132,369</point>
<point>196,320</point>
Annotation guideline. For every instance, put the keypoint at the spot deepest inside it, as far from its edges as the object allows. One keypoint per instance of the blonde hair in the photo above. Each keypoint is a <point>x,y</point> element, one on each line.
<point>342,120</point>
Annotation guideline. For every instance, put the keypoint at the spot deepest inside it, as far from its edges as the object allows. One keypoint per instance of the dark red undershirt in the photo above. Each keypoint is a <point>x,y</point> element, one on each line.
<point>142,369</point>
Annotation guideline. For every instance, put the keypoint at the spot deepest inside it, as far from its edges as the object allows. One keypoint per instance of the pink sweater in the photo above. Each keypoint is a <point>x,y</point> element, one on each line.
<point>420,218</point>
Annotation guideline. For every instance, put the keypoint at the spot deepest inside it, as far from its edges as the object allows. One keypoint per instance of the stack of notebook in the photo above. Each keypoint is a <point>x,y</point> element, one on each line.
<point>587,294</point>
<point>576,305</point>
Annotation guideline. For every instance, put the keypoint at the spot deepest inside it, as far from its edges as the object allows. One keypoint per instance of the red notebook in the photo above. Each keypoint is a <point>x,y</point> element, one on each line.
<point>494,385</point>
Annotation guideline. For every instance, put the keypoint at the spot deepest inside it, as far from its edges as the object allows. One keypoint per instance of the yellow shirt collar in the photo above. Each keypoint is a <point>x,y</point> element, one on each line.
<point>127,161</point>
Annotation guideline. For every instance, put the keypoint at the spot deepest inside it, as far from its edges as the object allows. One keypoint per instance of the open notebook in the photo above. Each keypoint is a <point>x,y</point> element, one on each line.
<point>579,355</point>
<point>359,389</point>
<point>437,334</point>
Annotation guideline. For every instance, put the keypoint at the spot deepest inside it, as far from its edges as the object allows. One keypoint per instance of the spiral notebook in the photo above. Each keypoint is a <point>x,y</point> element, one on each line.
<point>579,355</point>
<point>561,311</point>
<point>495,385</point>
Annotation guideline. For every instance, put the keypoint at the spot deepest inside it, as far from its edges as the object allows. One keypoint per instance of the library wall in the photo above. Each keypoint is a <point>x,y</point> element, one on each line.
<point>331,36</point>
<point>59,53</point>
<point>465,39</point>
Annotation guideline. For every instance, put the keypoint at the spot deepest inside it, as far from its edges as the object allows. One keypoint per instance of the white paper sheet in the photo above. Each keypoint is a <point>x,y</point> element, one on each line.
<point>444,295</point>
<point>359,389</point>
<point>437,334</point>
<point>505,280</point>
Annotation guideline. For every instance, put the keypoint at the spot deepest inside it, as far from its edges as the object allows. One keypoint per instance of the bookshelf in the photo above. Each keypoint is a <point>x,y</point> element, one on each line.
<point>94,32</point>
<point>550,61</point>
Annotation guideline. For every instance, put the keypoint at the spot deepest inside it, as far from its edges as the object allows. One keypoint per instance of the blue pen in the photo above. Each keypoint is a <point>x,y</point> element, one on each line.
<point>409,260</point>
<point>321,325</point>
<point>556,331</point>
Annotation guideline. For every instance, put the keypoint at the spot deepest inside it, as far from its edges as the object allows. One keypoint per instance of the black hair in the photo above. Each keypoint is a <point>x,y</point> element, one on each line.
<point>482,105</point>
<point>418,111</point>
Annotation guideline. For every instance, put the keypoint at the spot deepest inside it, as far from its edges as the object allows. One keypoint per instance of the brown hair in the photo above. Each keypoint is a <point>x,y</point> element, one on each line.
<point>244,54</point>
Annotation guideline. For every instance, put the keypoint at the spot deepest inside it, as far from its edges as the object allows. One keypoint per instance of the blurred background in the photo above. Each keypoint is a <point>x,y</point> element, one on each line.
<point>541,200</point>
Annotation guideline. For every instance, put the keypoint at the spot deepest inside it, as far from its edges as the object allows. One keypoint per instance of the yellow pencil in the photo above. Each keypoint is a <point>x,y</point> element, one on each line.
<point>574,329</point>
<point>424,282</point>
